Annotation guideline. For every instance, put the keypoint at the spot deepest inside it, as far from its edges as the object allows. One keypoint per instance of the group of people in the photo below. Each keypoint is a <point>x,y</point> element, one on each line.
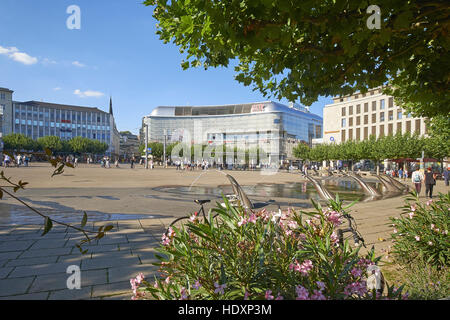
<point>19,160</point>
<point>429,179</point>
<point>400,173</point>
<point>105,162</point>
<point>190,166</point>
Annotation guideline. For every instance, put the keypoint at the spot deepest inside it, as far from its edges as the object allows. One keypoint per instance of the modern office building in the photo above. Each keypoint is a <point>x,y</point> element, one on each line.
<point>357,116</point>
<point>129,145</point>
<point>37,119</point>
<point>5,111</point>
<point>249,125</point>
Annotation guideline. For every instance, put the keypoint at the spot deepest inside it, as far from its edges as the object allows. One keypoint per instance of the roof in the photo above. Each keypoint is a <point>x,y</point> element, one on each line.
<point>5,89</point>
<point>60,106</point>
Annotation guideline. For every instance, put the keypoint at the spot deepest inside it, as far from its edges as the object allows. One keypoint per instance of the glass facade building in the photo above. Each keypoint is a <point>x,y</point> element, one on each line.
<point>249,125</point>
<point>39,119</point>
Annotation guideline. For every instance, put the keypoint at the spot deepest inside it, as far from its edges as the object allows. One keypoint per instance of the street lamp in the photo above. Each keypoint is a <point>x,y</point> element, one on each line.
<point>146,144</point>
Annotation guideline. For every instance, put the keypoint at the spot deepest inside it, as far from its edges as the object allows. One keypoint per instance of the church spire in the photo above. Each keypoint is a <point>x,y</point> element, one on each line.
<point>110,106</point>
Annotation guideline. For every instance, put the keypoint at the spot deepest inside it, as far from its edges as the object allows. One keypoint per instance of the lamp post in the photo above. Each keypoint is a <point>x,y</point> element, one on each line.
<point>164,155</point>
<point>146,145</point>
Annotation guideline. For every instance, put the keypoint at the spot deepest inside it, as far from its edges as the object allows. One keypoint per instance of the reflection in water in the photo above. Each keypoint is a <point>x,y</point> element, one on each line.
<point>347,190</point>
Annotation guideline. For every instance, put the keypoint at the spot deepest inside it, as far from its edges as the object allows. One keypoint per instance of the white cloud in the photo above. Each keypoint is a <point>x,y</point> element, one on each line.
<point>88,94</point>
<point>56,89</point>
<point>78,64</point>
<point>16,55</point>
<point>47,61</point>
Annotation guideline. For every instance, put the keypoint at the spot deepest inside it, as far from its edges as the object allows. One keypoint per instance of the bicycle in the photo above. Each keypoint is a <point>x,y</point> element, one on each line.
<point>352,229</point>
<point>179,222</point>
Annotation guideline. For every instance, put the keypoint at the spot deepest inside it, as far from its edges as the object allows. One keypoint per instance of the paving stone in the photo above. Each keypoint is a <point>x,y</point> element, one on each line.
<point>10,287</point>
<point>30,296</point>
<point>31,261</point>
<point>41,269</point>
<point>139,245</point>
<point>112,254</point>
<point>120,274</point>
<point>49,244</point>
<point>147,257</point>
<point>108,239</point>
<point>81,294</point>
<point>101,263</point>
<point>50,282</point>
<point>111,289</point>
<point>103,248</point>
<point>15,245</point>
<point>46,252</point>
<point>48,236</point>
<point>5,271</point>
<point>76,258</point>
<point>9,255</point>
<point>119,297</point>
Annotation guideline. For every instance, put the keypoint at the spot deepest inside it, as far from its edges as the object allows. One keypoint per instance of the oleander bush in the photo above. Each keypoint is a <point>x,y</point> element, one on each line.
<point>243,254</point>
<point>421,232</point>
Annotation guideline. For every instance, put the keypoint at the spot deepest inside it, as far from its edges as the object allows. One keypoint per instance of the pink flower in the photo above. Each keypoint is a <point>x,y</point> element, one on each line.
<point>334,217</point>
<point>411,215</point>
<point>413,208</point>
<point>197,285</point>
<point>268,295</point>
<point>246,294</point>
<point>356,272</point>
<point>242,222</point>
<point>167,280</point>
<point>321,285</point>
<point>183,293</point>
<point>395,230</point>
<point>155,285</point>
<point>429,202</point>
<point>432,226</point>
<point>359,288</point>
<point>293,225</point>
<point>430,243</point>
<point>279,297</point>
<point>306,266</point>
<point>334,238</point>
<point>417,238</point>
<point>219,288</point>
<point>252,218</point>
<point>193,218</point>
<point>140,277</point>
<point>302,293</point>
<point>318,295</point>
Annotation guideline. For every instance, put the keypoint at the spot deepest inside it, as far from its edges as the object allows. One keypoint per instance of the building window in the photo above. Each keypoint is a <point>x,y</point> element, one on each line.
<point>356,96</point>
<point>381,116</point>
<point>366,107</point>
<point>350,110</point>
<point>358,121</point>
<point>408,126</point>
<point>374,130</point>
<point>366,133</point>
<point>358,134</point>
<point>350,122</point>
<point>382,104</point>
<point>343,111</point>
<point>366,119</point>
<point>358,108</point>
<point>399,115</point>
<point>382,130</point>
<point>374,106</point>
<point>344,122</point>
<point>390,129</point>
<point>417,126</point>
<point>391,102</point>
<point>343,135</point>
<point>391,115</point>
<point>399,127</point>
<point>350,134</point>
<point>374,117</point>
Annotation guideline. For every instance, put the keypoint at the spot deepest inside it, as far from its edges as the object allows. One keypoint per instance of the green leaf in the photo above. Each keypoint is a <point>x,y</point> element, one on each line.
<point>48,225</point>
<point>84,220</point>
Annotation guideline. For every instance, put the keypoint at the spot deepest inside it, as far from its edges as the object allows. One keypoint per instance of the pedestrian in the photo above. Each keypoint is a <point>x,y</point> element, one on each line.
<point>116,163</point>
<point>400,173</point>
<point>405,174</point>
<point>430,181</point>
<point>446,175</point>
<point>75,162</point>
<point>132,162</point>
<point>417,178</point>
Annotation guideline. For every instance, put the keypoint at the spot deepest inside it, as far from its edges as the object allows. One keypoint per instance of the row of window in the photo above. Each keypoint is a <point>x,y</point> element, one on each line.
<point>64,133</point>
<point>374,118</point>
<point>62,125</point>
<point>390,130</point>
<point>358,108</point>
<point>36,113</point>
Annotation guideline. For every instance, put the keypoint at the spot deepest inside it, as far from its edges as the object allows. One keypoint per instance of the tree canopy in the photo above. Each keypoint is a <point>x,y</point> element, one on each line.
<point>306,49</point>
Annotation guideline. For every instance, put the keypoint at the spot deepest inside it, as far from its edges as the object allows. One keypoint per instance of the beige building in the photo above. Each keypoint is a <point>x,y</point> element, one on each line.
<point>358,116</point>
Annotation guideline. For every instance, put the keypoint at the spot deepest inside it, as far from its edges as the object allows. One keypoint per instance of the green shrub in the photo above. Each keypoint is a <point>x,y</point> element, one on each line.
<point>260,255</point>
<point>421,232</point>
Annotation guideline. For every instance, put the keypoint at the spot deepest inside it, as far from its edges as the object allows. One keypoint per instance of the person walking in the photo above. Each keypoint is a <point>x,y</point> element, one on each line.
<point>417,178</point>
<point>132,162</point>
<point>430,181</point>
<point>400,173</point>
<point>446,175</point>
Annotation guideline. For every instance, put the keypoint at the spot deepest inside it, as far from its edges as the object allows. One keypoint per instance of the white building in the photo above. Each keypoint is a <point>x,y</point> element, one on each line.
<point>357,116</point>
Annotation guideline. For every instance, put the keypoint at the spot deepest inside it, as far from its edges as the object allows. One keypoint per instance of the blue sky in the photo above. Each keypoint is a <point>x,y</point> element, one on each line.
<point>116,52</point>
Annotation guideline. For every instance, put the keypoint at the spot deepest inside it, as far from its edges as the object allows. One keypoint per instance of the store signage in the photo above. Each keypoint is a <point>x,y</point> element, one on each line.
<point>258,108</point>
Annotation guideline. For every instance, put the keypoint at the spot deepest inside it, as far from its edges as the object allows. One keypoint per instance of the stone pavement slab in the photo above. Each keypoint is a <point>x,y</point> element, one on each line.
<point>46,252</point>
<point>101,263</point>
<point>30,296</point>
<point>121,274</point>
<point>10,287</point>
<point>75,294</point>
<point>112,289</point>
<point>41,269</point>
<point>30,261</point>
<point>6,246</point>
